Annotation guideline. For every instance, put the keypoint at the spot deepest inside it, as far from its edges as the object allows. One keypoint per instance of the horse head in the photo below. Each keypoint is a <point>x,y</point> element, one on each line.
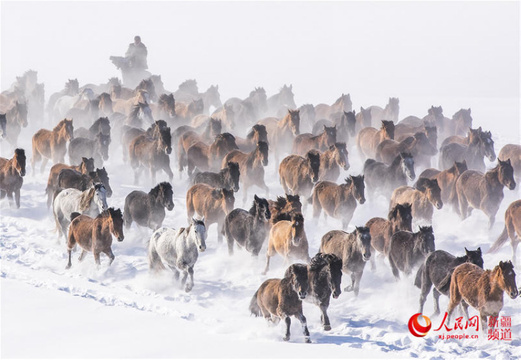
<point>198,233</point>
<point>363,241</point>
<point>313,158</point>
<point>401,217</point>
<point>358,186</point>
<point>297,228</point>
<point>99,196</point>
<point>231,176</point>
<point>341,155</point>
<point>425,241</point>
<point>407,162</point>
<point>116,223</point>
<point>506,174</point>
<point>294,121</point>
<point>474,257</point>
<point>19,155</point>
<point>507,278</point>
<point>298,275</point>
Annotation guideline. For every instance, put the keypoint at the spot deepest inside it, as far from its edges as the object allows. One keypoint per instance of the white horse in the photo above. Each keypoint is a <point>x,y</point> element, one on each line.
<point>178,250</point>
<point>67,102</point>
<point>90,202</point>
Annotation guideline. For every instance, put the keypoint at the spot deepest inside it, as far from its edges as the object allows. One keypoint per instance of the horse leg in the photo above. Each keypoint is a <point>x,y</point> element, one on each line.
<point>465,309</point>
<point>82,255</point>
<point>10,198</point>
<point>220,227</point>
<point>436,295</point>
<point>110,255</point>
<point>229,240</point>
<point>17,198</point>
<point>454,298</point>
<point>463,206</point>
<point>175,271</point>
<point>168,170</point>
<point>267,264</point>
<point>3,193</point>
<point>36,157</point>
<point>356,282</point>
<point>97,258</point>
<point>288,325</point>
<point>514,243</point>
<point>350,287</point>
<point>304,323</point>
<point>190,283</point>
<point>484,323</point>
<point>44,164</point>
<point>325,318</point>
<point>396,272</point>
<point>425,289</point>
<point>245,187</point>
<point>69,264</point>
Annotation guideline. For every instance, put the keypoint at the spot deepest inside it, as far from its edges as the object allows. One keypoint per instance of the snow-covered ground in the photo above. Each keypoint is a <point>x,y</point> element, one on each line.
<point>121,310</point>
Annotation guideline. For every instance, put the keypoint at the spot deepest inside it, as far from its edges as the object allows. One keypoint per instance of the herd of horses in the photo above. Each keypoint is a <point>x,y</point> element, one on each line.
<point>309,146</point>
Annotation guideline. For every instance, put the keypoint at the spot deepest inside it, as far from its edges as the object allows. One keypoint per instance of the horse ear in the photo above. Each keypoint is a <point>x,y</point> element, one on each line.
<point>508,161</point>
<point>325,127</point>
<point>255,198</point>
<point>479,250</point>
<point>466,251</point>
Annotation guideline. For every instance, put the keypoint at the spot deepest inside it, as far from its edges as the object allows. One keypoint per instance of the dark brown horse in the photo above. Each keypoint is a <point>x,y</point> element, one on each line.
<point>211,203</point>
<point>332,160</point>
<point>85,167</point>
<point>343,103</point>
<point>95,234</point>
<point>69,178</point>
<point>165,108</point>
<point>409,249</point>
<point>278,299</point>
<point>102,125</point>
<point>482,289</point>
<point>480,145</point>
<point>418,146</point>
<point>288,239</point>
<point>298,174</point>
<point>390,112</point>
<point>257,133</point>
<point>437,270</point>
<point>385,178</point>
<point>476,190</point>
<point>186,111</point>
<point>305,142</point>
<point>97,148</point>
<point>363,119</point>
<point>148,210</point>
<point>353,248</point>
<point>12,172</point>
<point>338,201</point>
<point>146,152</point>
<point>49,144</point>
<point>282,132</point>
<point>227,178</point>
<point>251,167</point>
<point>511,230</point>
<point>423,198</point>
<point>399,218</point>
<point>369,138</point>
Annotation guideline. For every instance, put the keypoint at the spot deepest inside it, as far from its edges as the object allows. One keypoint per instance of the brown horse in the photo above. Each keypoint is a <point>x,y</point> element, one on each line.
<point>69,178</point>
<point>95,234</point>
<point>165,108</point>
<point>211,203</point>
<point>418,146</point>
<point>186,111</point>
<point>402,132</point>
<point>97,148</point>
<point>476,190</point>
<point>251,167</point>
<point>338,201</point>
<point>284,207</point>
<point>85,167</point>
<point>343,103</point>
<point>257,133</point>
<point>126,106</point>
<point>408,249</point>
<point>381,229</point>
<point>446,180</point>
<point>281,101</point>
<point>226,115</point>
<point>288,239</point>
<point>512,152</point>
<point>363,119</point>
<point>298,174</point>
<point>426,196</point>
<point>151,153</point>
<point>511,230</point>
<point>353,248</point>
<point>16,117</point>
<point>332,160</point>
<point>305,142</point>
<point>279,299</point>
<point>480,145</point>
<point>369,138</point>
<point>282,132</point>
<point>390,112</point>
<point>482,289</point>
<point>49,144</point>
<point>209,157</point>
<point>12,172</point>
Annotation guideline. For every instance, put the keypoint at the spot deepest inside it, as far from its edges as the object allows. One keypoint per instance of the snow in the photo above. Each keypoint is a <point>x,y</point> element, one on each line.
<point>123,311</point>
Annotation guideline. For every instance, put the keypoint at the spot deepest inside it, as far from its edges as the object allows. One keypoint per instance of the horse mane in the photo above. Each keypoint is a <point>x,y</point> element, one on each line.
<point>293,269</point>
<point>280,203</point>
<point>86,198</point>
<point>59,125</point>
<point>20,152</point>
<point>154,192</point>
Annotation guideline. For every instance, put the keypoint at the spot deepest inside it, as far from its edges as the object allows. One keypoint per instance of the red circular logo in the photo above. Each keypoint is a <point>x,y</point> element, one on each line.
<point>419,330</point>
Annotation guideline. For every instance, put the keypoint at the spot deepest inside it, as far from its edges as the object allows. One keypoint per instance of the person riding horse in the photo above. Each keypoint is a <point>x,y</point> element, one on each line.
<point>137,54</point>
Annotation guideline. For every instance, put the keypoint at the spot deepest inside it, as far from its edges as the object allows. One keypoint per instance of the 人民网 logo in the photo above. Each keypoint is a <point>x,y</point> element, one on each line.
<point>419,330</point>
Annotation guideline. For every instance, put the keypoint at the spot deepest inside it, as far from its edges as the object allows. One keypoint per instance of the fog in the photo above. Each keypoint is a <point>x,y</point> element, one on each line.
<point>372,50</point>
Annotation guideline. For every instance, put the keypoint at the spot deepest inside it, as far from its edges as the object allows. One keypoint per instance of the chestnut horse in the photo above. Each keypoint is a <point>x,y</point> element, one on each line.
<point>284,207</point>
<point>446,180</point>
<point>12,172</point>
<point>288,239</point>
<point>511,230</point>
<point>423,199</point>
<point>476,190</point>
<point>482,289</point>
<point>305,142</point>
<point>369,138</point>
<point>343,103</point>
<point>279,299</point>
<point>298,174</point>
<point>209,157</point>
<point>49,144</point>
<point>332,160</point>
<point>282,132</point>
<point>338,201</point>
<point>512,152</point>
<point>95,234</point>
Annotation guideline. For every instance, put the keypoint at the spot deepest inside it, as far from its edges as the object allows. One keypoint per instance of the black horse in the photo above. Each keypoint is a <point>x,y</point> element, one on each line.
<point>227,178</point>
<point>148,210</point>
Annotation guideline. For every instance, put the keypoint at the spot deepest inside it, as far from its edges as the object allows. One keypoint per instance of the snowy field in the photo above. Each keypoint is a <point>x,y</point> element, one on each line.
<point>122,311</point>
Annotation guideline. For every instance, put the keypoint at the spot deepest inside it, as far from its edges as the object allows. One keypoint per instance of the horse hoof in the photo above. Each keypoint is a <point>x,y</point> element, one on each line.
<point>68,267</point>
<point>285,338</point>
<point>348,288</point>
<point>308,341</point>
<point>327,327</point>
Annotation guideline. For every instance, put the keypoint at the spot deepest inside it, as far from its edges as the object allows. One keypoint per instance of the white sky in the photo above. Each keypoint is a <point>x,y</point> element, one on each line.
<point>428,49</point>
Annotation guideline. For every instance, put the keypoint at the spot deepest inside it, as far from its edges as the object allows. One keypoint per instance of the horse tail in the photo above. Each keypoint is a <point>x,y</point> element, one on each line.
<point>134,163</point>
<point>254,305</point>
<point>499,242</point>
<point>444,285</point>
<point>419,275</point>
<point>310,199</point>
